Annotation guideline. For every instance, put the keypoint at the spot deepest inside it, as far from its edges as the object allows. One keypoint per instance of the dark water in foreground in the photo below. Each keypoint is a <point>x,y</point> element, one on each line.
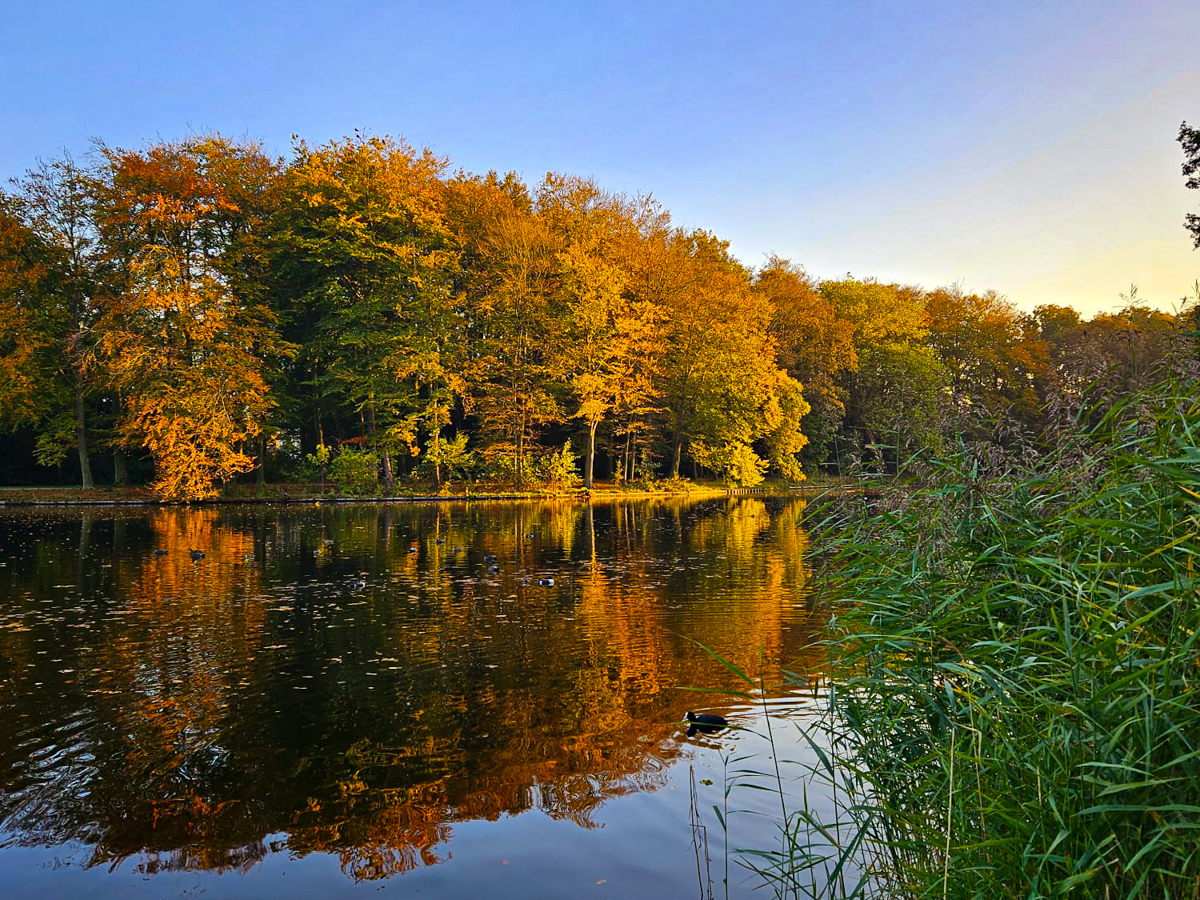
<point>343,699</point>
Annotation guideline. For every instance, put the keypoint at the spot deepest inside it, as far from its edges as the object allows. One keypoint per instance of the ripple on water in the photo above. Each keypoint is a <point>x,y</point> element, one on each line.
<point>313,700</point>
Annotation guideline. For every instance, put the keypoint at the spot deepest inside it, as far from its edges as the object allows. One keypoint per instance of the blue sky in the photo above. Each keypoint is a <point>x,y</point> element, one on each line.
<point>1026,147</point>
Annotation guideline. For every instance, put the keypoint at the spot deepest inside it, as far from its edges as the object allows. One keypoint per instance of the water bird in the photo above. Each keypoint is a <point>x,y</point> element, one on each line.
<point>357,585</point>
<point>704,723</point>
<point>440,541</point>
<point>456,550</point>
<point>489,557</point>
<point>530,535</point>
<point>159,551</point>
<point>546,582</point>
<point>196,554</point>
<point>493,570</point>
<point>412,549</point>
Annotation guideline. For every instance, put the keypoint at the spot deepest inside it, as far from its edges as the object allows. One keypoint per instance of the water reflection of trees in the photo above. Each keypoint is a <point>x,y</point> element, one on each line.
<point>182,711</point>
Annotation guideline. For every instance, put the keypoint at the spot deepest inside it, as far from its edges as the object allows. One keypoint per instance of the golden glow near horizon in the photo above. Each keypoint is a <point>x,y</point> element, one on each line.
<point>1075,220</point>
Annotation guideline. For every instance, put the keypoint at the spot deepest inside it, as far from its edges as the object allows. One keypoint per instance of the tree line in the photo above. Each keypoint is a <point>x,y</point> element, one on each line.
<point>196,311</point>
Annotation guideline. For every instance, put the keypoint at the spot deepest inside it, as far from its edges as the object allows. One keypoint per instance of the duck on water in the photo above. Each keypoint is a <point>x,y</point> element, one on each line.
<point>704,723</point>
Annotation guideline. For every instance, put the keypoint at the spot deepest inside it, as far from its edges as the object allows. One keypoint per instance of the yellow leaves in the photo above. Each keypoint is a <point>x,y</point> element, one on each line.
<point>192,442</point>
<point>882,314</point>
<point>181,342</point>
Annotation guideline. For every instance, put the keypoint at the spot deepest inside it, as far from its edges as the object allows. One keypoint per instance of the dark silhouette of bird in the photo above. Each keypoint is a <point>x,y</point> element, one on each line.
<point>546,582</point>
<point>704,723</point>
<point>440,541</point>
<point>196,554</point>
<point>159,552</point>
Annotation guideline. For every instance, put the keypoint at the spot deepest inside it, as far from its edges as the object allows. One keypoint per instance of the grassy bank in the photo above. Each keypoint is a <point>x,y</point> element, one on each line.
<point>1015,703</point>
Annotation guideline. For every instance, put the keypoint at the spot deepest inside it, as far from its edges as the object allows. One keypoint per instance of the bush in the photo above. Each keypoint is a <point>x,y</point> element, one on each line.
<point>452,456</point>
<point>559,470</point>
<point>355,472</point>
<point>736,462</point>
<point>315,466</point>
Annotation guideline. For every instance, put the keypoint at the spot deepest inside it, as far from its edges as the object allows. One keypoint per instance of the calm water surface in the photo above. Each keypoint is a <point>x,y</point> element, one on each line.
<point>343,699</point>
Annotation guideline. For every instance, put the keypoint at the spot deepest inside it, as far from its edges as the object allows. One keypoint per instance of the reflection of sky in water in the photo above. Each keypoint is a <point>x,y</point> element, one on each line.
<point>338,694</point>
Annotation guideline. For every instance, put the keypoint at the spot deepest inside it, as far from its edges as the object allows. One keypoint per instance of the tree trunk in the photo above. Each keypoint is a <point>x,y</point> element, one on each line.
<point>521,452</point>
<point>261,479</point>
<point>85,462</point>
<point>388,480</point>
<point>120,471</point>
<point>386,457</point>
<point>589,468</point>
<point>437,457</point>
<point>678,456</point>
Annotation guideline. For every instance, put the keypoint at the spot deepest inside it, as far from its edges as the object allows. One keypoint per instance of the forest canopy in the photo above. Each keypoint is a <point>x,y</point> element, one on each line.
<point>198,312</point>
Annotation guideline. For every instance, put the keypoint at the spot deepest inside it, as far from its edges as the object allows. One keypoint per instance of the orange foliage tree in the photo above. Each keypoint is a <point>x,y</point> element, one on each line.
<point>184,336</point>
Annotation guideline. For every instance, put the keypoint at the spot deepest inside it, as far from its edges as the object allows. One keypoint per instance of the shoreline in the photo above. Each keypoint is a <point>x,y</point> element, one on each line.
<point>26,497</point>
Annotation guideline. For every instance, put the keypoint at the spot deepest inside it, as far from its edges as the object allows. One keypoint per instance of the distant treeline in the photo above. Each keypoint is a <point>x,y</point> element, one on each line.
<point>197,311</point>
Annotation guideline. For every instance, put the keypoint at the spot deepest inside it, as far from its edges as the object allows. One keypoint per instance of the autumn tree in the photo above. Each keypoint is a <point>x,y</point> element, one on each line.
<point>512,284</point>
<point>649,254</point>
<point>992,355</point>
<point>365,254</point>
<point>720,379</point>
<point>815,344</point>
<point>57,202</point>
<point>185,336</point>
<point>897,389</point>
<point>607,339</point>
<point>1056,327</point>
<point>30,392</point>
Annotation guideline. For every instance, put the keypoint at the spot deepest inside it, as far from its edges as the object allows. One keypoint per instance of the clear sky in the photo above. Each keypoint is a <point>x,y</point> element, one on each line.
<point>1023,146</point>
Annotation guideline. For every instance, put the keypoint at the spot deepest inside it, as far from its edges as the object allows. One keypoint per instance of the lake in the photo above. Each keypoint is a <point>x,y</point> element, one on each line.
<point>342,699</point>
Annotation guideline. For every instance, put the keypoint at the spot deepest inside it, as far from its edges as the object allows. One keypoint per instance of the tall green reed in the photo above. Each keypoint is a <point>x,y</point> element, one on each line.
<point>1015,667</point>
<point>1012,699</point>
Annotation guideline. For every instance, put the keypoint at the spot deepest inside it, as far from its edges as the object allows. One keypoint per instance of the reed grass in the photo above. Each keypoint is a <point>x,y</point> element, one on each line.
<point>1014,704</point>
